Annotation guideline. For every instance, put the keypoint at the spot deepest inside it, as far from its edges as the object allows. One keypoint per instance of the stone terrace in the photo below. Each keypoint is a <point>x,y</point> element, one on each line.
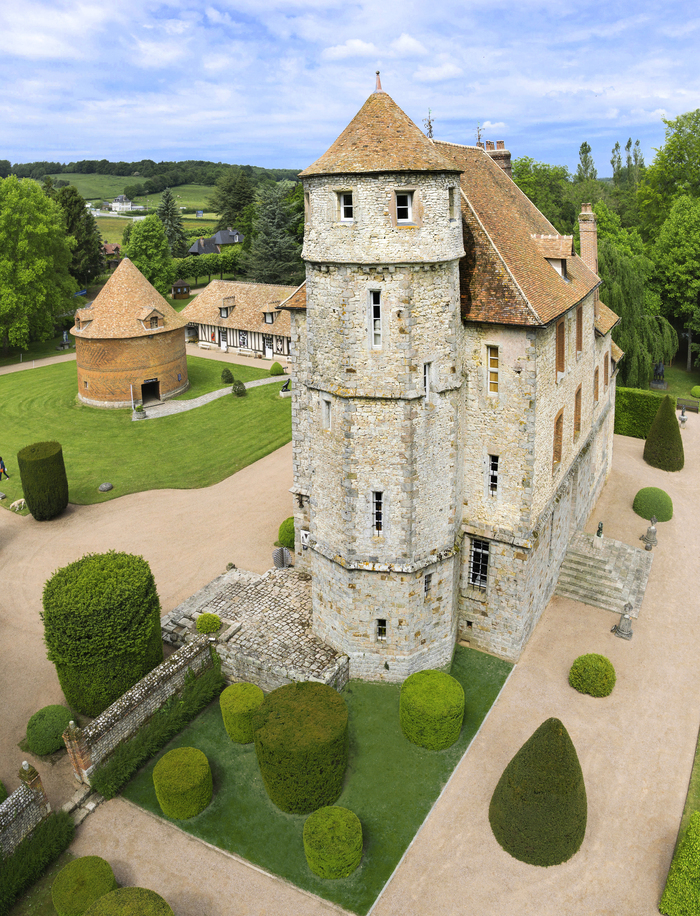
<point>266,635</point>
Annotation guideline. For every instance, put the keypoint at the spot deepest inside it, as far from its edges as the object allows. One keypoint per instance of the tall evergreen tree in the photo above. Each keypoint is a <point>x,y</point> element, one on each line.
<point>149,250</point>
<point>232,194</point>
<point>586,170</point>
<point>275,254</point>
<point>88,258</point>
<point>169,215</point>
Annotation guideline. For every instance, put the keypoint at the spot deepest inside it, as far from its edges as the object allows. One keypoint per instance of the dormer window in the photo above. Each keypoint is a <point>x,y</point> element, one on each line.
<point>77,324</point>
<point>223,312</point>
<point>347,210</point>
<point>269,317</point>
<point>154,323</point>
<point>404,206</point>
<point>559,264</point>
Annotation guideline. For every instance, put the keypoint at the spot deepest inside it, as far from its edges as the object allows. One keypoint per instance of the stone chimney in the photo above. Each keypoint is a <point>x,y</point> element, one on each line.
<point>589,242</point>
<point>500,155</point>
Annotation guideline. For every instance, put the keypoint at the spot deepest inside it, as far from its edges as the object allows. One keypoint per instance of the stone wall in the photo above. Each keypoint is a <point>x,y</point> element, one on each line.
<point>22,810</point>
<point>88,747</point>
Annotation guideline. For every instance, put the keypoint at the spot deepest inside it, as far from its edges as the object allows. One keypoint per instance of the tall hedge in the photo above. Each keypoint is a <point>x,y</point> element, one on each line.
<point>635,411</point>
<point>538,810</point>
<point>44,481</point>
<point>431,709</point>
<point>681,896</point>
<point>664,445</point>
<point>102,627</point>
<point>301,745</point>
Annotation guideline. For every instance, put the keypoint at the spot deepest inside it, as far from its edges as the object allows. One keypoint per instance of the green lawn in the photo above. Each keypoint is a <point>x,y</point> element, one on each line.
<point>37,350</point>
<point>96,187</point>
<point>111,228</point>
<point>205,375</point>
<point>185,451</point>
<point>680,382</point>
<point>390,784</point>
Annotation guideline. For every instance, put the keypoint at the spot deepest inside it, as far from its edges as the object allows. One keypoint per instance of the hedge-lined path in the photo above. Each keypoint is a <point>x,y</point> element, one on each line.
<point>168,408</point>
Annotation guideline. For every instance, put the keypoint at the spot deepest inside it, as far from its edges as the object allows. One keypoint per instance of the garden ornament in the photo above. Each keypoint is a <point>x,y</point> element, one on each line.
<point>623,629</point>
<point>650,537</point>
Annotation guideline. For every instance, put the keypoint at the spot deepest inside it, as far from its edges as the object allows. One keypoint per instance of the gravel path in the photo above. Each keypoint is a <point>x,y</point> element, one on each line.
<point>168,408</point>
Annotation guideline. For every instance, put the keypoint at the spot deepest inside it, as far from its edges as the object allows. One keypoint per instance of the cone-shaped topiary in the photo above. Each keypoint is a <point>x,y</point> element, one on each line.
<point>431,709</point>
<point>653,501</point>
<point>238,704</point>
<point>681,896</point>
<point>183,783</point>
<point>44,481</point>
<point>593,674</point>
<point>538,810</point>
<point>286,533</point>
<point>664,446</point>
<point>130,901</point>
<point>227,376</point>
<point>239,389</point>
<point>45,729</point>
<point>80,883</point>
<point>333,842</point>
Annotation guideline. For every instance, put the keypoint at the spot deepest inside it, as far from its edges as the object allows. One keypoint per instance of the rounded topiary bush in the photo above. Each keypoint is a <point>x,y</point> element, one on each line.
<point>45,729</point>
<point>431,709</point>
<point>538,810</point>
<point>183,783</point>
<point>44,481</point>
<point>333,842</point>
<point>80,884</point>
<point>239,390</point>
<point>664,445</point>
<point>238,704</point>
<point>695,392</point>
<point>682,891</point>
<point>102,627</point>
<point>227,376</point>
<point>301,745</point>
<point>130,901</point>
<point>653,501</point>
<point>286,533</point>
<point>208,623</point>
<point>276,369</point>
<point>593,674</point>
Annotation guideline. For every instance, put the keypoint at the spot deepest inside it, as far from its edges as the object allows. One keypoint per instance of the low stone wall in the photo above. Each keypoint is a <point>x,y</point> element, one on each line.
<point>90,746</point>
<point>22,811</point>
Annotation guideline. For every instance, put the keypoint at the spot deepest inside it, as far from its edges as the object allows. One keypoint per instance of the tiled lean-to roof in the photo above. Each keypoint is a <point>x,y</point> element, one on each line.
<point>380,138</point>
<point>123,306</point>
<point>247,304</point>
<point>615,351</point>
<point>297,300</point>
<point>605,320</point>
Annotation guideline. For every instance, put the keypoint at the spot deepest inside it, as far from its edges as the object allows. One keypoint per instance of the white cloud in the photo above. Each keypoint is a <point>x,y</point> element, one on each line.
<point>491,125</point>
<point>353,47</point>
<point>407,46</point>
<point>446,71</point>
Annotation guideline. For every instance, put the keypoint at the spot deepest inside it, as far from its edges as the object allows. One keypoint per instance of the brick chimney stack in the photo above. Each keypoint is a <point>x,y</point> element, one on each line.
<point>500,155</point>
<point>589,242</point>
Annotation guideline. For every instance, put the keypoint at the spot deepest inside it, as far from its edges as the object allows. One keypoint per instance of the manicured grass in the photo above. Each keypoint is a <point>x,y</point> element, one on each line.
<point>205,375</point>
<point>37,350</point>
<point>112,228</point>
<point>680,382</point>
<point>184,451</point>
<point>390,784</point>
<point>96,187</point>
<point>37,900</point>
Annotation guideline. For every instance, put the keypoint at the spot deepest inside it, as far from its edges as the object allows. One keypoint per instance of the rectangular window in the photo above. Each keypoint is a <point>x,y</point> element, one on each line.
<point>307,207</point>
<point>269,317</point>
<point>223,312</point>
<point>85,384</point>
<point>493,475</point>
<point>577,412</point>
<point>596,376</point>
<point>404,206</point>
<point>375,307</point>
<point>154,322</point>
<point>606,371</point>
<point>377,512</point>
<point>579,329</point>
<point>492,357</point>
<point>427,583</point>
<point>346,207</point>
<point>326,411</point>
<point>381,629</point>
<point>561,348</point>
<point>453,203</point>
<point>426,379</point>
<point>558,438</point>
<point>479,563</point>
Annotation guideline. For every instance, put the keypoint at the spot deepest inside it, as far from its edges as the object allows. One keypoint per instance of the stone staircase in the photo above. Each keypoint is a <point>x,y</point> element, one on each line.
<point>607,576</point>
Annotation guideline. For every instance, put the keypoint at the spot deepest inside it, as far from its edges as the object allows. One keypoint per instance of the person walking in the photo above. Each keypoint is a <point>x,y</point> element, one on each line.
<point>3,469</point>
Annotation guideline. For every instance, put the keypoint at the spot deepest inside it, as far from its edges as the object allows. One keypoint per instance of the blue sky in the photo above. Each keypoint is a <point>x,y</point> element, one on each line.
<point>273,83</point>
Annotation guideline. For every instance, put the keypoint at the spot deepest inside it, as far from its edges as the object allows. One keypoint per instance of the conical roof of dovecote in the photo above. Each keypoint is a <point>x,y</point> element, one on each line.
<point>380,138</point>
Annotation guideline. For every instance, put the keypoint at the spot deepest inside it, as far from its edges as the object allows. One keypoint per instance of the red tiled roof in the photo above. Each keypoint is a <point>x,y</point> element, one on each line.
<point>606,320</point>
<point>247,304</point>
<point>555,246</point>
<point>616,352</point>
<point>297,300</point>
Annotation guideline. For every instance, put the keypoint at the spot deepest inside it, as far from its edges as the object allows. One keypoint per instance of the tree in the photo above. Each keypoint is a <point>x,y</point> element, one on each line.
<point>35,255</point>
<point>664,446</point>
<point>169,215</point>
<point>5,168</point>
<point>232,194</point>
<point>275,254</point>
<point>88,258</point>
<point>149,250</point>
<point>586,170</point>
<point>548,187</point>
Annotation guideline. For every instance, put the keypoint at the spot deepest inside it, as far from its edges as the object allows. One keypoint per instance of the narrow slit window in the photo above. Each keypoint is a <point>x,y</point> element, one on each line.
<point>561,348</point>
<point>381,629</point>
<point>326,412</point>
<point>427,583</point>
<point>577,412</point>
<point>404,207</point>
<point>493,369</point>
<point>347,210</point>
<point>606,371</point>
<point>493,475</point>
<point>453,203</point>
<point>596,377</point>
<point>479,563</point>
<point>426,379</point>
<point>375,306</point>
<point>579,329</point>
<point>377,512</point>
<point>558,439</point>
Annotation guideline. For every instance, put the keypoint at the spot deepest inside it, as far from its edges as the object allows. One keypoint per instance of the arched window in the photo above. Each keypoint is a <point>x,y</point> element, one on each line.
<point>596,376</point>
<point>558,439</point>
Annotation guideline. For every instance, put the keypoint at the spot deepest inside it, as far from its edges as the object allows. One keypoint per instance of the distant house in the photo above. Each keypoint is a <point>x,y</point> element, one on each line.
<point>242,317</point>
<point>121,203</point>
<point>221,239</point>
<point>112,253</point>
<point>180,289</point>
<point>204,246</point>
<point>228,237</point>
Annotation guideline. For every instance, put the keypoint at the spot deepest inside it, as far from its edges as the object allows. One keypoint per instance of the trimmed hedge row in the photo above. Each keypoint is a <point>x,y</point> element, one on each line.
<point>538,810</point>
<point>286,533</point>
<point>431,709</point>
<point>681,896</point>
<point>33,855</point>
<point>593,674</point>
<point>44,481</point>
<point>664,446</point>
<point>130,901</point>
<point>183,783</point>
<point>45,729</point>
<point>239,703</point>
<point>635,411</point>
<point>333,842</point>
<point>653,501</point>
<point>102,627</point>
<point>80,884</point>
<point>301,745</point>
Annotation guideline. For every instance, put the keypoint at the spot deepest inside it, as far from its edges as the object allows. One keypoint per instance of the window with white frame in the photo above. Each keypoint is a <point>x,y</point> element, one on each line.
<point>223,312</point>
<point>381,629</point>
<point>326,411</point>
<point>479,563</point>
<point>404,206</point>
<point>375,316</point>
<point>347,211</point>
<point>427,368</point>
<point>493,475</point>
<point>269,317</point>
<point>377,512</point>
<point>492,358</point>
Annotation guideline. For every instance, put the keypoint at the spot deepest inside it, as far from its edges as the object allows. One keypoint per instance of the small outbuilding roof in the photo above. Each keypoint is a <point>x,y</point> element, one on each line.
<point>297,300</point>
<point>247,304</point>
<point>123,304</point>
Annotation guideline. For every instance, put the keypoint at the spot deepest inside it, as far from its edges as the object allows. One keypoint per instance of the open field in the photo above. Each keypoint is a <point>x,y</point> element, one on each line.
<point>96,187</point>
<point>186,195</point>
<point>112,227</point>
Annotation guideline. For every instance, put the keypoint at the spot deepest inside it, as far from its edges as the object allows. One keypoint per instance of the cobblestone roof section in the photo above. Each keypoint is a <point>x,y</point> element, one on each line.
<point>116,310</point>
<point>606,320</point>
<point>380,138</point>
<point>247,303</point>
<point>555,246</point>
<point>497,215</point>
<point>297,300</point>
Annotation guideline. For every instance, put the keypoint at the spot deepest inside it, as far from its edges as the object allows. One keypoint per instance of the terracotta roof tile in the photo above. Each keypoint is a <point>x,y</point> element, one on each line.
<point>297,300</point>
<point>380,138</point>
<point>606,320</point>
<point>247,303</point>
<point>117,310</point>
<point>615,351</point>
<point>555,246</point>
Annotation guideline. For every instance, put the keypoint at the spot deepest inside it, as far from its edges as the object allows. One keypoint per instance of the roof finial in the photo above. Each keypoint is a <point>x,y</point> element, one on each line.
<point>378,87</point>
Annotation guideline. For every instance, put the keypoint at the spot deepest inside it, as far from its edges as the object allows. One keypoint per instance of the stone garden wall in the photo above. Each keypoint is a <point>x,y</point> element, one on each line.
<point>22,811</point>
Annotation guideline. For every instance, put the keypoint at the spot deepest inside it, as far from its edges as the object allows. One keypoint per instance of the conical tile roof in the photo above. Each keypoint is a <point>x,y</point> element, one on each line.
<point>123,306</point>
<point>380,138</point>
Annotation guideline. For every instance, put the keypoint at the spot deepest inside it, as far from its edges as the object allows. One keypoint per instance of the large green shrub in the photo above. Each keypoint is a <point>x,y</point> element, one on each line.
<point>664,445</point>
<point>33,855</point>
<point>635,411</point>
<point>276,369</point>
<point>695,392</point>
<point>653,501</point>
<point>286,533</point>
<point>227,376</point>
<point>45,729</point>
<point>239,389</point>
<point>183,783</point>
<point>333,842</point>
<point>301,745</point>
<point>238,704</point>
<point>681,896</point>
<point>80,883</point>
<point>431,709</point>
<point>44,481</point>
<point>102,627</point>
<point>208,623</point>
<point>130,901</point>
<point>593,674</point>
<point>538,810</point>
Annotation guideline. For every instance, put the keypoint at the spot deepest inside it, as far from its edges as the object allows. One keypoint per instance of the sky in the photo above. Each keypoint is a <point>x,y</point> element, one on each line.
<point>272,83</point>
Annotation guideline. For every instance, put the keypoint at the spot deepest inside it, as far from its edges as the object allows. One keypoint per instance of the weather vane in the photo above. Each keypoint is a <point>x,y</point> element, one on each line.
<point>429,124</point>
<point>478,134</point>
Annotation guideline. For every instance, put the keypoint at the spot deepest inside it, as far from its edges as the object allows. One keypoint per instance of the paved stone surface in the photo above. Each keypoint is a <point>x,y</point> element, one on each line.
<point>604,573</point>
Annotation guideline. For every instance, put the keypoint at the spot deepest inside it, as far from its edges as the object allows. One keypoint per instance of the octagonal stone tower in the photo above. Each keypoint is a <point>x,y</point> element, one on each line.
<point>378,395</point>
